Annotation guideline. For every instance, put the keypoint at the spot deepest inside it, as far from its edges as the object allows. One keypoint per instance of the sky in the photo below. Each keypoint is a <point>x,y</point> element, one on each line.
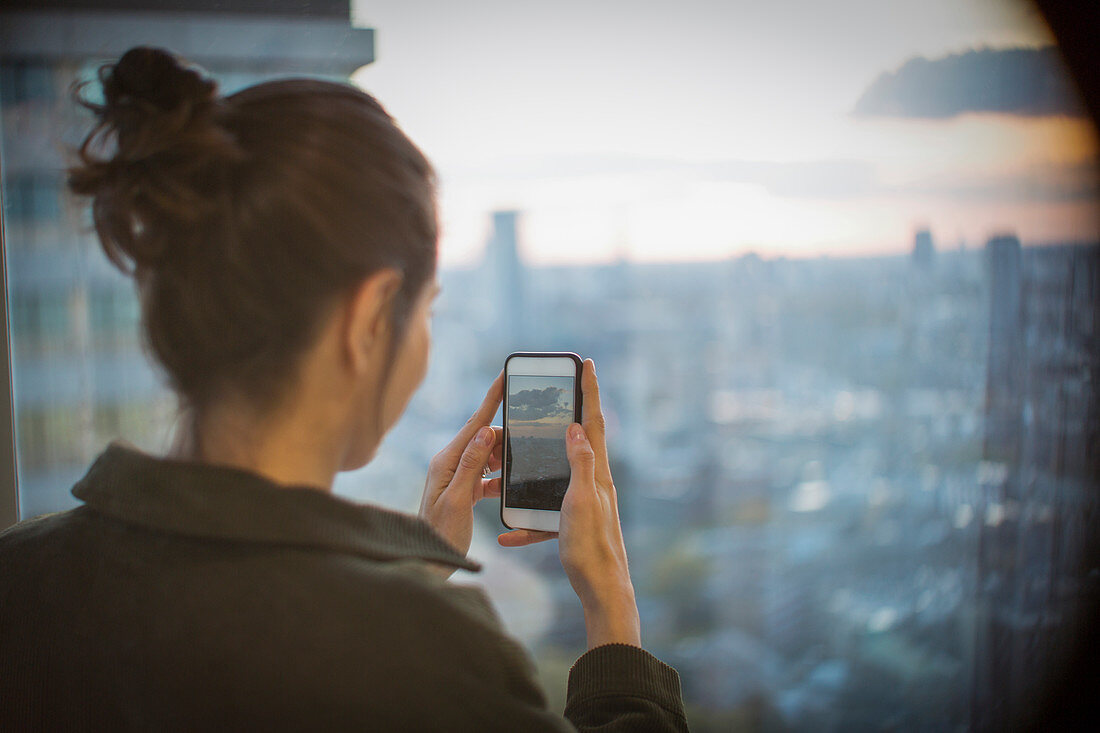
<point>706,129</point>
<point>539,406</point>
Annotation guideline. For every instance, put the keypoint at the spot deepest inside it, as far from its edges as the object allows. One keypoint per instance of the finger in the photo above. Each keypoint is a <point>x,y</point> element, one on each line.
<point>593,420</point>
<point>490,488</point>
<point>488,407</point>
<point>521,537</point>
<point>469,472</point>
<point>483,414</point>
<point>590,390</point>
<point>582,459</point>
<point>498,449</point>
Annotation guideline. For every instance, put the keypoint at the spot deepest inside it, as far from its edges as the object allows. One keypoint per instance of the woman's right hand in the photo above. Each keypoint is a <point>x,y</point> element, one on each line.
<point>590,540</point>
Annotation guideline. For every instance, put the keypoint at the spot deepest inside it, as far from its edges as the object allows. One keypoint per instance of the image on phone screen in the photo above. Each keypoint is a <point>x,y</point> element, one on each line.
<point>540,409</point>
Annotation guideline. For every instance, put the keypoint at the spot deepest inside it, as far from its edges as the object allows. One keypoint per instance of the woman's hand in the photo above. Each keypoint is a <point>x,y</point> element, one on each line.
<point>590,541</point>
<point>456,475</point>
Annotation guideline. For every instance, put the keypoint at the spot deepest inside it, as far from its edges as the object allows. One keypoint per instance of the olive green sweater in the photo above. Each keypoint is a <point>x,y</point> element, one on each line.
<point>183,596</point>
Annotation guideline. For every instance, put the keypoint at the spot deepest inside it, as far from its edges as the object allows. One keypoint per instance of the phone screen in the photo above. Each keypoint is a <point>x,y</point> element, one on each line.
<point>540,409</point>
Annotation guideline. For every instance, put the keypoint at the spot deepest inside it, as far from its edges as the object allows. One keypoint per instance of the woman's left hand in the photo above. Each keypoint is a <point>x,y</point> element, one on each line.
<point>456,475</point>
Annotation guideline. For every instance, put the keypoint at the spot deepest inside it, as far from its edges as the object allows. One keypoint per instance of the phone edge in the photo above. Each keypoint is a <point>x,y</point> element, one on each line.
<point>577,415</point>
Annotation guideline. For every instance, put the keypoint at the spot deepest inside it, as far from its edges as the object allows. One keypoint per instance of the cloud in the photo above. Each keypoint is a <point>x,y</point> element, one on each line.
<point>1029,82</point>
<point>837,179</point>
<point>810,179</point>
<point>535,404</point>
<point>801,179</point>
<point>1048,183</point>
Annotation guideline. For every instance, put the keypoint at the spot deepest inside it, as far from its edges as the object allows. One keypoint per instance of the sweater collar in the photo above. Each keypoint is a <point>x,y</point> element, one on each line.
<point>219,502</point>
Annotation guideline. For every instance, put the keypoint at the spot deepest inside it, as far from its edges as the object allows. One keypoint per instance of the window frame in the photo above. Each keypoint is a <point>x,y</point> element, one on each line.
<point>9,488</point>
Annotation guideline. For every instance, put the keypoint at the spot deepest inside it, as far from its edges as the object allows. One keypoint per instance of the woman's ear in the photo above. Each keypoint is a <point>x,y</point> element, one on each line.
<point>368,321</point>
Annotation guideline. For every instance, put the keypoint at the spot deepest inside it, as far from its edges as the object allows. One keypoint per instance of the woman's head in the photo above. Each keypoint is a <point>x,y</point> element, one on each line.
<point>247,219</point>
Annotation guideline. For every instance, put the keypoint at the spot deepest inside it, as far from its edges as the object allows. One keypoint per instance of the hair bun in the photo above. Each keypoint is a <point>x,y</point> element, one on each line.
<point>156,158</point>
<point>153,77</point>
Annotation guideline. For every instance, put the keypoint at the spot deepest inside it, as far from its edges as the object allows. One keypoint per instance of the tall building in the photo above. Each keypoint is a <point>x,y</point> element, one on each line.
<point>1004,374</point>
<point>923,250</point>
<point>80,377</point>
<point>1039,472</point>
<point>508,281</point>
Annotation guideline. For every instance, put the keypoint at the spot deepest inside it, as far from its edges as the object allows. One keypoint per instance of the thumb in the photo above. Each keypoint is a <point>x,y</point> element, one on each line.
<point>582,461</point>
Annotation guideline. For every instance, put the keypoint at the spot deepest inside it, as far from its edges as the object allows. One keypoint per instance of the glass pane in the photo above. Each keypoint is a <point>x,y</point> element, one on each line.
<point>842,305</point>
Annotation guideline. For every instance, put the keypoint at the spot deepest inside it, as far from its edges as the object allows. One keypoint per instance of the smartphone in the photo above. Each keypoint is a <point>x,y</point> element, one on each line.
<point>542,397</point>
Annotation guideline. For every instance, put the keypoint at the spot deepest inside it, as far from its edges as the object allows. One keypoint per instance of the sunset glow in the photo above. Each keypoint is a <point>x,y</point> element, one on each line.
<point>632,131</point>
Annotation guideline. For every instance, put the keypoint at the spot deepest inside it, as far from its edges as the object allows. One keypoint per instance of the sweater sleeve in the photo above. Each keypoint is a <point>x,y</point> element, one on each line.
<point>615,687</point>
<point>618,687</point>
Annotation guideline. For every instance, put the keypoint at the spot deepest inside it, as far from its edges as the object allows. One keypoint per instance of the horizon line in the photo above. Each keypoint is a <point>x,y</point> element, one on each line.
<point>763,256</point>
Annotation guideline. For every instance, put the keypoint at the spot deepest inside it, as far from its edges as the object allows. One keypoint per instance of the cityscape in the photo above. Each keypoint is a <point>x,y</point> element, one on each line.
<point>808,490</point>
<point>856,492</point>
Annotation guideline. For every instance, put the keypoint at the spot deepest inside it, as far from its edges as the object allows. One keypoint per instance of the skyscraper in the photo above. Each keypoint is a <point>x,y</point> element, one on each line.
<point>1040,467</point>
<point>923,250</point>
<point>508,282</point>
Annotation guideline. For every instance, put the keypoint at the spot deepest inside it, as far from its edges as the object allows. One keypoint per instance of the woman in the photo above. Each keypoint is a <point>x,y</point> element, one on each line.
<point>283,242</point>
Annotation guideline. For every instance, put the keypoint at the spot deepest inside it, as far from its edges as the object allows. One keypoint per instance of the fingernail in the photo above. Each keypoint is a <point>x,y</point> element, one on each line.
<point>485,437</point>
<point>576,433</point>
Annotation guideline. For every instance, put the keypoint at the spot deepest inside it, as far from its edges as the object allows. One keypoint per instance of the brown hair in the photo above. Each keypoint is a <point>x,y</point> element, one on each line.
<point>245,218</point>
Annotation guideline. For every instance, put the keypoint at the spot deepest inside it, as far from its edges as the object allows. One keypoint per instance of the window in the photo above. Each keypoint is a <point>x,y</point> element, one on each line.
<point>42,321</point>
<point>32,197</point>
<point>840,288</point>
<point>25,81</point>
<point>114,317</point>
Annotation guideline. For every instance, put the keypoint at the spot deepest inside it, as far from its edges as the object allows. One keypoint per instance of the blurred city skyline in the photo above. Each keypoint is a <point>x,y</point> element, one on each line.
<point>708,130</point>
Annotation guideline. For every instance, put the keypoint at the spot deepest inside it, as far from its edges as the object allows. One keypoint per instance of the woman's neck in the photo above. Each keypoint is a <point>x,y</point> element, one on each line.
<point>289,448</point>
